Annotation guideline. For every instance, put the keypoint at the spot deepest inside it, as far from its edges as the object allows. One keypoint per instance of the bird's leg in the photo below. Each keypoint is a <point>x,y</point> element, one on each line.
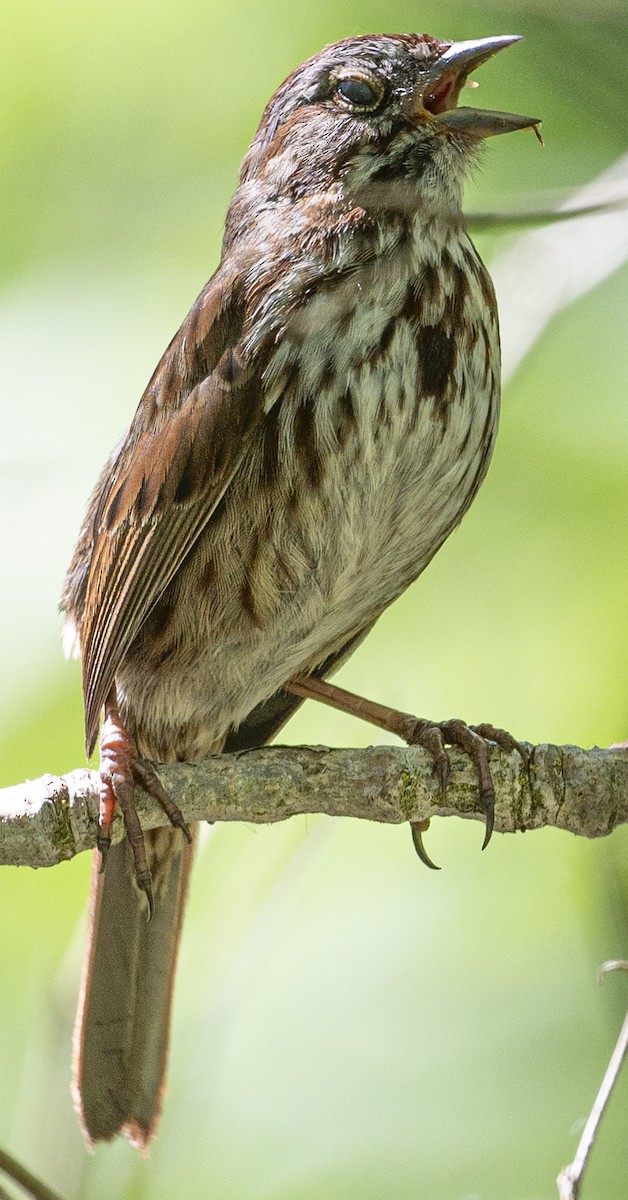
<point>433,735</point>
<point>120,769</point>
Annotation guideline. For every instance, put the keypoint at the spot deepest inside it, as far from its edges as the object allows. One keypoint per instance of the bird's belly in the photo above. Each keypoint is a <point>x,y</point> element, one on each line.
<point>302,554</point>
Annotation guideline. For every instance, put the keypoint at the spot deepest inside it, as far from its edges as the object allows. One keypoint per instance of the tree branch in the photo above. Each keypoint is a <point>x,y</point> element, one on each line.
<point>584,791</point>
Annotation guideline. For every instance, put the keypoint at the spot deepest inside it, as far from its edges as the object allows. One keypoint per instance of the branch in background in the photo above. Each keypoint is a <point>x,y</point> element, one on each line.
<point>546,209</point>
<point>542,272</point>
<point>584,791</point>
<point>20,1175</point>
<point>570,1179</point>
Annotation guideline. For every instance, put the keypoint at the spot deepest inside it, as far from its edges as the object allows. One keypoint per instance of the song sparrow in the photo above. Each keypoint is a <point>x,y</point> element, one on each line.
<point>315,430</point>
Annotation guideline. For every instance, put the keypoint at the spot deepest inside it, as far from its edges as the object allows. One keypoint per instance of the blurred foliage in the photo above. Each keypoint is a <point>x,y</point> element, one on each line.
<point>346,1024</point>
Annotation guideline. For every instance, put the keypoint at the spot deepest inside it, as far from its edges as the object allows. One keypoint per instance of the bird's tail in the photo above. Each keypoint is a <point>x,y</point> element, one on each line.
<point>122,1025</point>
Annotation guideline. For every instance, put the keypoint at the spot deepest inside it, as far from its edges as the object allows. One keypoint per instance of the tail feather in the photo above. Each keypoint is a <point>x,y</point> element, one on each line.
<point>123,1019</point>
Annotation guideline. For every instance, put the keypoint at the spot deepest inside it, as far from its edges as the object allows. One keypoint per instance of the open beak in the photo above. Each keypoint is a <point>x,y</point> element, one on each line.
<point>445,79</point>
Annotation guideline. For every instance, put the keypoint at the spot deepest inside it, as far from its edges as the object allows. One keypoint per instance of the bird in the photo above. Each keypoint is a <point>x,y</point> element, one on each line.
<point>317,427</point>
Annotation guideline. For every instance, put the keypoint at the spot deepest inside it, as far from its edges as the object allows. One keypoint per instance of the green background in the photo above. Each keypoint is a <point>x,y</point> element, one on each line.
<point>347,1024</point>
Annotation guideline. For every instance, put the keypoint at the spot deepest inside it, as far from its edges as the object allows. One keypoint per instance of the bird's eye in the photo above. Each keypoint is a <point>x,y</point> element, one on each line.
<point>360,93</point>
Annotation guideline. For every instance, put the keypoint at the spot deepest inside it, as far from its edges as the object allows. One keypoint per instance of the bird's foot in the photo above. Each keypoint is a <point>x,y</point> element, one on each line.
<point>120,770</point>
<point>434,736</point>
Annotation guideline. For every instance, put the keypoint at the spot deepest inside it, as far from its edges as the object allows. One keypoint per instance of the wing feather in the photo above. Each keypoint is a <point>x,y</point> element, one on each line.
<point>161,487</point>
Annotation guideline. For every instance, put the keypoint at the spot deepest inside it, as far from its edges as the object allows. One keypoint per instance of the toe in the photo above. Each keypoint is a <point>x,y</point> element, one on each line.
<point>474,744</point>
<point>430,736</point>
<point>145,774</point>
<point>503,739</point>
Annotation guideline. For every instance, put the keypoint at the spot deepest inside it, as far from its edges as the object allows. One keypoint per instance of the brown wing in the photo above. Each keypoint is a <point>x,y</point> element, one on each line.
<point>162,485</point>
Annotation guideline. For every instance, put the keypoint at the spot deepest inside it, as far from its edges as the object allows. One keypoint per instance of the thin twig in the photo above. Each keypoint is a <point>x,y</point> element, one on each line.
<point>27,1181</point>
<point>523,218</point>
<point>570,1179</point>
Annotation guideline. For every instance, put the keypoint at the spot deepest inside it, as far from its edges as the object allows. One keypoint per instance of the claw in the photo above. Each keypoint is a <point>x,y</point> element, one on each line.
<point>144,882</point>
<point>179,823</point>
<point>490,819</point>
<point>103,844</point>
<point>417,829</point>
<point>442,770</point>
